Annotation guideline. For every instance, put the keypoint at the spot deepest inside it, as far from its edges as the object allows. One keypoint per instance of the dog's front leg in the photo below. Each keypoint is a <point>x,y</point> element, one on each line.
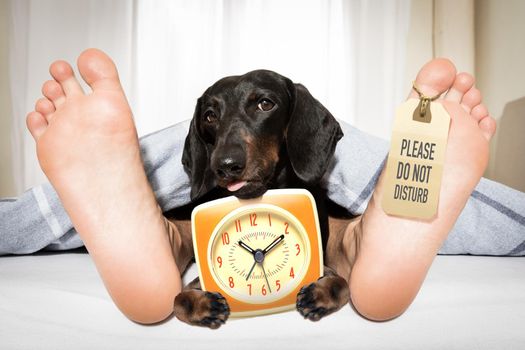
<point>323,297</point>
<point>199,308</point>
<point>331,292</point>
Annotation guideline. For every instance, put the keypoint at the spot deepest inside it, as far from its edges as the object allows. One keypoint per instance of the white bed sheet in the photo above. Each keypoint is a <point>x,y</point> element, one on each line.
<point>57,301</point>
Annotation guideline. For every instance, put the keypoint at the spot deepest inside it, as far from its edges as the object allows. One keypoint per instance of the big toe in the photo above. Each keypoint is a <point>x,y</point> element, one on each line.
<point>98,70</point>
<point>434,78</point>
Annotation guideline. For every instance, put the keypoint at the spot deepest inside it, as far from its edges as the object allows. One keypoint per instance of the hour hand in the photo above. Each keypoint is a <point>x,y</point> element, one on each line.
<point>247,247</point>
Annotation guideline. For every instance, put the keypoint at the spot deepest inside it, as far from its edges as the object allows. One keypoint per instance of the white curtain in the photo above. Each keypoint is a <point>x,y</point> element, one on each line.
<point>349,54</point>
<point>41,31</point>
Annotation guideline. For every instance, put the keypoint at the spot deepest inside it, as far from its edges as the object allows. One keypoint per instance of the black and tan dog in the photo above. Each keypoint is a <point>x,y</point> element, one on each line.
<point>251,133</point>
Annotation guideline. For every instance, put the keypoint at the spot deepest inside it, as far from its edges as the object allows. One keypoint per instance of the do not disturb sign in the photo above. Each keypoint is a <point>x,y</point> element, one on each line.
<point>415,162</point>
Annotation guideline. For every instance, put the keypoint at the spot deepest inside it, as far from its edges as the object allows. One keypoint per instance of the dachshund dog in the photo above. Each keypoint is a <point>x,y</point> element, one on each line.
<point>251,133</point>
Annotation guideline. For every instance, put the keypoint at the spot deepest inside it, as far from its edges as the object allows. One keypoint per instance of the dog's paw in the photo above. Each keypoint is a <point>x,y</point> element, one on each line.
<point>321,298</point>
<point>200,308</point>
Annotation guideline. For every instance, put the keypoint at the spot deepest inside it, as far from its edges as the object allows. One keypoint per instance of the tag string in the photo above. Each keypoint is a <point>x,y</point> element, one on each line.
<point>425,100</point>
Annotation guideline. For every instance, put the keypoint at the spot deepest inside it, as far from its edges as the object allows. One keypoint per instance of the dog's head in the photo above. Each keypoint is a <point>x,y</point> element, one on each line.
<point>246,129</point>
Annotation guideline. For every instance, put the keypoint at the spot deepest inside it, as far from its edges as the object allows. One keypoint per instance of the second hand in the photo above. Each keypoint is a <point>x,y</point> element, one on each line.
<point>249,273</point>
<point>268,284</point>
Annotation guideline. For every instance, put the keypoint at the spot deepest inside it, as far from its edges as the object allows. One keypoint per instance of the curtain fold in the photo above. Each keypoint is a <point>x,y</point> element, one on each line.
<point>17,60</point>
<point>44,31</point>
<point>454,32</point>
<point>349,54</point>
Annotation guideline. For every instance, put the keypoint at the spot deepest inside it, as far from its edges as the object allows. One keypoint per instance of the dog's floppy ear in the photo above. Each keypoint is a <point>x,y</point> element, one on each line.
<point>195,159</point>
<point>312,135</point>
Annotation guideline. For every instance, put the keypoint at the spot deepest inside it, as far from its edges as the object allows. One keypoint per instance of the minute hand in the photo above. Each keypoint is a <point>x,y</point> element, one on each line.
<point>273,244</point>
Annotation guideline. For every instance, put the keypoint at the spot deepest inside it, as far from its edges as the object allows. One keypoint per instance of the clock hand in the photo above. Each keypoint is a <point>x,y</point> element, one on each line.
<point>258,257</point>
<point>249,273</point>
<point>266,277</point>
<point>245,246</point>
<point>273,244</point>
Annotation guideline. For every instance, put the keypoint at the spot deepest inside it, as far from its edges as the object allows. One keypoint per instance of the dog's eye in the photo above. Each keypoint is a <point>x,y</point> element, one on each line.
<point>210,117</point>
<point>265,105</point>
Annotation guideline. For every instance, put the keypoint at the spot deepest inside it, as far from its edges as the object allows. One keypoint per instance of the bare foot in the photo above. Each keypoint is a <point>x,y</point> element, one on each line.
<point>87,146</point>
<point>396,253</point>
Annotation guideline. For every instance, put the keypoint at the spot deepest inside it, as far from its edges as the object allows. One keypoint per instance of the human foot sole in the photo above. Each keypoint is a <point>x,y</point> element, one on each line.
<point>396,253</point>
<point>88,148</point>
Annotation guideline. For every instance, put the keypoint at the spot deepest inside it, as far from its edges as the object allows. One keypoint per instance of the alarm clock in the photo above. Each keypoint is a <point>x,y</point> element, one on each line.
<point>258,253</point>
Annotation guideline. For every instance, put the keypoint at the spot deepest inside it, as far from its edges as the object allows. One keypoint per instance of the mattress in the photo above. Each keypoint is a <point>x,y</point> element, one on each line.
<point>57,301</point>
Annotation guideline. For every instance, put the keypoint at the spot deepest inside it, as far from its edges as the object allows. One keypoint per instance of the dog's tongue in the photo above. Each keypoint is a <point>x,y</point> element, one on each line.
<point>234,186</point>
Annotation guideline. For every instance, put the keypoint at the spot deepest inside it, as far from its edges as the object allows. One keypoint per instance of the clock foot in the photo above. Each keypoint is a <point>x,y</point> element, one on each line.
<point>321,298</point>
<point>200,308</point>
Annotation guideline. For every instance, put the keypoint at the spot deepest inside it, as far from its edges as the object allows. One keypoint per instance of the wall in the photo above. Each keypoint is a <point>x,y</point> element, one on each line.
<point>500,70</point>
<point>6,176</point>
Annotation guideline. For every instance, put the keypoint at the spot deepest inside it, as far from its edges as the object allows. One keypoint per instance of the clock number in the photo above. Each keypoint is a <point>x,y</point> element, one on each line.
<point>270,219</point>
<point>238,226</point>
<point>278,284</point>
<point>286,228</point>
<point>253,217</point>
<point>230,280</point>
<point>263,291</point>
<point>225,238</point>
<point>219,260</point>
<point>298,249</point>
<point>250,288</point>
<point>292,275</point>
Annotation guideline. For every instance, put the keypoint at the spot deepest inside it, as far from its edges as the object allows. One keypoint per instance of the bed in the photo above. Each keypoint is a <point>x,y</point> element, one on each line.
<point>57,301</point>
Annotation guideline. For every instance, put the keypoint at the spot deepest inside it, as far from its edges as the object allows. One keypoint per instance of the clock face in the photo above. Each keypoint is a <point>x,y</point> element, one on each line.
<point>259,253</point>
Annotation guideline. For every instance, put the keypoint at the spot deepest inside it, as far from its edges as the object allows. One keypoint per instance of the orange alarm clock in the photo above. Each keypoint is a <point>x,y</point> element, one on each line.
<point>258,253</point>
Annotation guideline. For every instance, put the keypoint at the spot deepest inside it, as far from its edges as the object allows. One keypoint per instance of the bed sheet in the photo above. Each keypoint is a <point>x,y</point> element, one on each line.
<point>57,301</point>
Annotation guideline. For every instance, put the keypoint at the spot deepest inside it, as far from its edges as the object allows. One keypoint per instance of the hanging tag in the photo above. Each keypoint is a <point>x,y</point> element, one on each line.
<point>415,162</point>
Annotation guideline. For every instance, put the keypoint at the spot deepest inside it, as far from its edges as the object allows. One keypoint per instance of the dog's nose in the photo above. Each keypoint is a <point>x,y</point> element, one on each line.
<point>229,167</point>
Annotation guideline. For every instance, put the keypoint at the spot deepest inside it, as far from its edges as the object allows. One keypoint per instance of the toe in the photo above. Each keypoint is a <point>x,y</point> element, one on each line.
<point>435,77</point>
<point>98,70</point>
<point>53,91</point>
<point>63,73</point>
<point>488,127</point>
<point>471,99</point>
<point>37,124</point>
<point>461,85</point>
<point>479,112</point>
<point>44,107</point>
